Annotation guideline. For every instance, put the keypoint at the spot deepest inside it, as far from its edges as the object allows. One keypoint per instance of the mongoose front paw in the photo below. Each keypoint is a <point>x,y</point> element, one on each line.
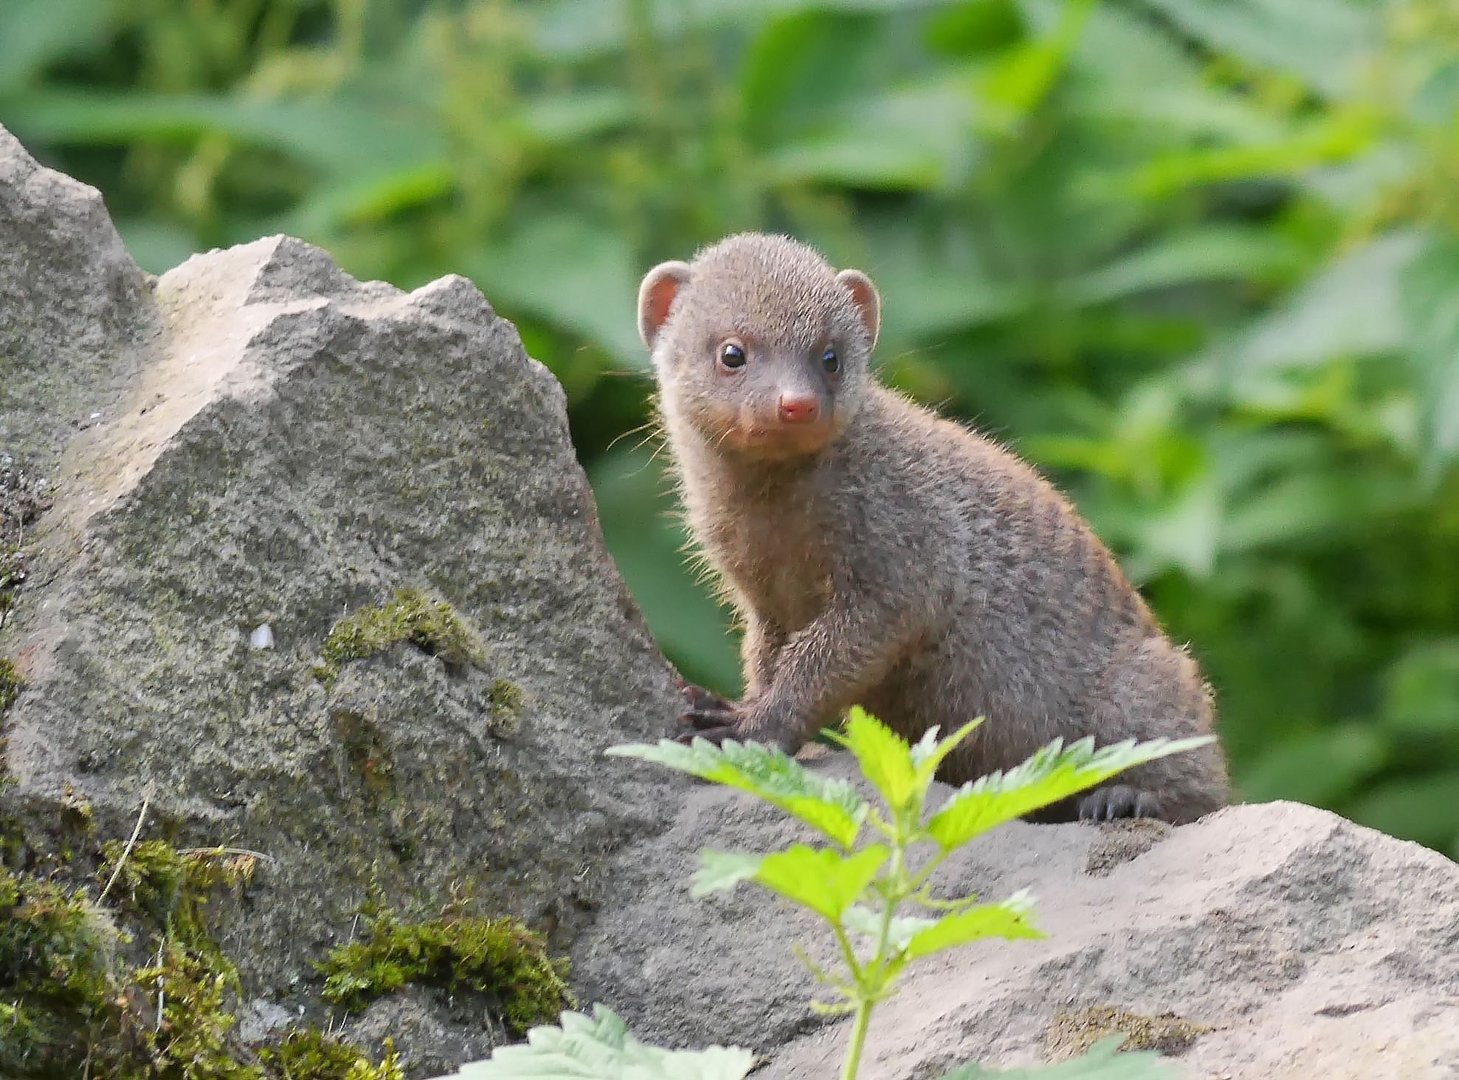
<point>1118,801</point>
<point>706,715</point>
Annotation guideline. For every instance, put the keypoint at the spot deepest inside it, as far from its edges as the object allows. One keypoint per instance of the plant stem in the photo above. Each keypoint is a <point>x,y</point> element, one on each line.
<point>870,989</point>
<point>858,1038</point>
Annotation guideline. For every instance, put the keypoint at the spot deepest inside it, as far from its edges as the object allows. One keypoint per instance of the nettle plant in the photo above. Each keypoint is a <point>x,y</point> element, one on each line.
<point>871,885</point>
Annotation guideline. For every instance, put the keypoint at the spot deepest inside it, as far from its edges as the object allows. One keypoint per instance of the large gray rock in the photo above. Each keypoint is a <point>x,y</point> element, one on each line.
<point>73,307</point>
<point>1308,946</point>
<point>256,439</point>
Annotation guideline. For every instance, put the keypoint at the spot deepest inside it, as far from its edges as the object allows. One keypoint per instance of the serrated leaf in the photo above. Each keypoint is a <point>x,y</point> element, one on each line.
<point>1053,773</point>
<point>1008,919</point>
<point>929,753</point>
<point>600,1046</point>
<point>719,870</point>
<point>884,756</point>
<point>863,920</point>
<point>1102,1062</point>
<point>820,879</point>
<point>832,807</point>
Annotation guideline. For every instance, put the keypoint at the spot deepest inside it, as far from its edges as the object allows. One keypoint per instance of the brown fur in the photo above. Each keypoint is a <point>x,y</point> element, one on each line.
<point>884,556</point>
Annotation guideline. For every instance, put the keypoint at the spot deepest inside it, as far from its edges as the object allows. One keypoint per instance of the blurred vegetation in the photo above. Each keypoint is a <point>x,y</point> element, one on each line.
<point>1199,259</point>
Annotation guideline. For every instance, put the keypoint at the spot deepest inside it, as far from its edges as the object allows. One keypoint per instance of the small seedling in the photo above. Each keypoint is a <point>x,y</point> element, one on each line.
<point>871,884</point>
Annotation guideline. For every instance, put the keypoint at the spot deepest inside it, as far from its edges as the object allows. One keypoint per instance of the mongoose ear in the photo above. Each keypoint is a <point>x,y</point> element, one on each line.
<point>868,302</point>
<point>656,296</point>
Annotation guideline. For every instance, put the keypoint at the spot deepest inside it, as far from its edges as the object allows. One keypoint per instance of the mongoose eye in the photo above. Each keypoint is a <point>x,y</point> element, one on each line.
<point>731,355</point>
<point>831,361</point>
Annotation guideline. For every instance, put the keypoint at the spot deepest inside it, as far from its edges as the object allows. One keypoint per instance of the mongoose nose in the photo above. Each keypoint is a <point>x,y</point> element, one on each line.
<point>798,408</point>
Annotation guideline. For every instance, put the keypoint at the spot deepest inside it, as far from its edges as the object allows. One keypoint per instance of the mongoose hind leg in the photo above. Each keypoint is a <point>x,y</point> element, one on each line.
<point>1154,690</point>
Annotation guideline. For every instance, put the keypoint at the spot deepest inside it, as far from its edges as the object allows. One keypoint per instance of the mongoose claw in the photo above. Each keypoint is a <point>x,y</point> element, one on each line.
<point>1118,801</point>
<point>715,735</point>
<point>706,715</point>
<point>699,700</point>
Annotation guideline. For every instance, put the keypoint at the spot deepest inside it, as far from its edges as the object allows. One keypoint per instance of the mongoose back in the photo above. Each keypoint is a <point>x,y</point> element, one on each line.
<point>878,554</point>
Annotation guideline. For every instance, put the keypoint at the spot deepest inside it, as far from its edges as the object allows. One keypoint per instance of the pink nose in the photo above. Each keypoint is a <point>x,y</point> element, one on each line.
<point>798,408</point>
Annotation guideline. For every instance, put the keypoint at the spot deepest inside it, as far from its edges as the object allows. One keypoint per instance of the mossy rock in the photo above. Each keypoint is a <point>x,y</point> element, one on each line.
<point>309,1054</point>
<point>10,683</point>
<point>498,959</point>
<point>431,625</point>
<point>1072,1034</point>
<point>72,1003</point>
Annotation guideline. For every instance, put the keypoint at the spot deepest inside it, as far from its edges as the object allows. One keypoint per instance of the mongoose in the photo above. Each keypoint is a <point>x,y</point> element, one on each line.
<point>879,554</point>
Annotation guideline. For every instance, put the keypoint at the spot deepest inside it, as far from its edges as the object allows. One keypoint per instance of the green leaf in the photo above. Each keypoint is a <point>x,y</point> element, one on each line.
<point>35,33</point>
<point>885,758</point>
<point>1421,692</point>
<point>929,752</point>
<point>914,138</point>
<point>867,922</point>
<point>1011,87</point>
<point>1053,773</point>
<point>1219,252</point>
<point>599,1047</point>
<point>353,137</point>
<point>577,273</point>
<point>816,878</point>
<point>1102,1062</point>
<point>569,29</point>
<point>796,72</point>
<point>821,879</point>
<point>1322,42</point>
<point>1007,919</point>
<point>560,119</point>
<point>1429,285</point>
<point>832,807</point>
<point>1329,138</point>
<point>719,870</point>
<point>1352,307</point>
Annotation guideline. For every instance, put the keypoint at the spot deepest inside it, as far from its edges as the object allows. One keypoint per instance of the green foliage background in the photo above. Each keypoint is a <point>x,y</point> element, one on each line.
<point>1199,259</point>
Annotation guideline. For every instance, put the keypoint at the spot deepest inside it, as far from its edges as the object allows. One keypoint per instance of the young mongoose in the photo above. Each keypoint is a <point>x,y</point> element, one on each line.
<point>878,554</point>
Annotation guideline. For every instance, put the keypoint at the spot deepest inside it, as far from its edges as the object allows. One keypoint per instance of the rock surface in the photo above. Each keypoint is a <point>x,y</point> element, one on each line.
<point>255,439</point>
<point>1308,946</point>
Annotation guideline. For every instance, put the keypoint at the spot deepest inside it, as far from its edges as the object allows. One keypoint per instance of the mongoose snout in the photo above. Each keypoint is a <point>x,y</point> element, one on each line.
<point>881,555</point>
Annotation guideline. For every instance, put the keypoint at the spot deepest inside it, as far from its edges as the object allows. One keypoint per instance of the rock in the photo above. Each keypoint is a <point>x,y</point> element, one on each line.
<point>257,440</point>
<point>73,308</point>
<point>1264,941</point>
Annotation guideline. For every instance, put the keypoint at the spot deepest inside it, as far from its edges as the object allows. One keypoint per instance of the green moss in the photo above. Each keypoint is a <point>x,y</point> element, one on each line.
<point>506,701</point>
<point>72,1005</point>
<point>171,887</point>
<point>498,958</point>
<point>1072,1034</point>
<point>10,683</point>
<point>57,965</point>
<point>431,625</point>
<point>308,1054</point>
<point>189,1036</point>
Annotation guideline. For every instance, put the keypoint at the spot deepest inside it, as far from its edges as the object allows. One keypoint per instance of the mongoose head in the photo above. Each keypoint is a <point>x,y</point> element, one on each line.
<point>759,345</point>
